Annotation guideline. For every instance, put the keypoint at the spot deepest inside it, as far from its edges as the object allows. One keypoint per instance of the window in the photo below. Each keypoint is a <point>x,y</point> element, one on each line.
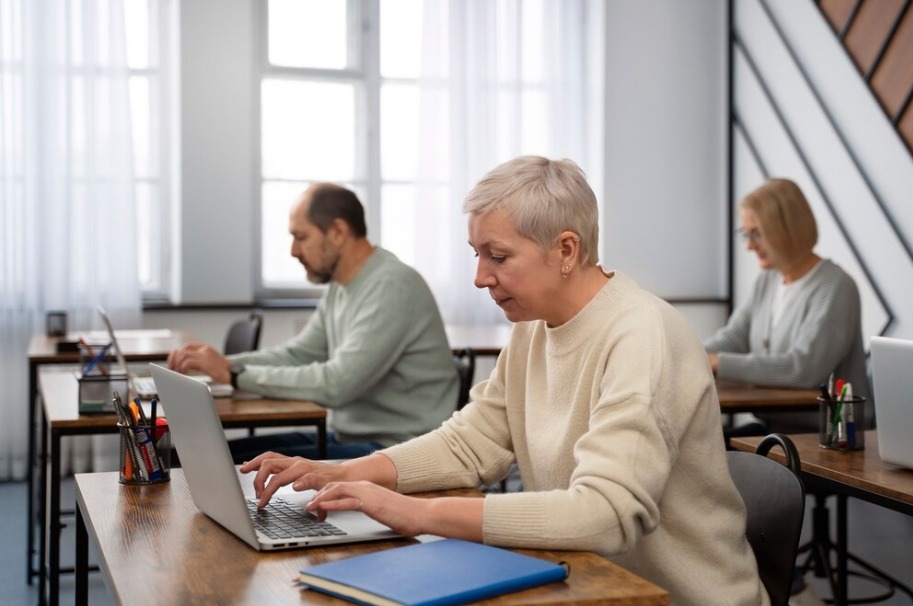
<point>330,111</point>
<point>313,119</point>
<point>408,102</point>
<point>150,57</point>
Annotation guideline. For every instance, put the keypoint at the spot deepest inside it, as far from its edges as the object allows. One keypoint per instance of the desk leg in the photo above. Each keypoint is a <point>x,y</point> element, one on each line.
<point>322,439</point>
<point>54,525</point>
<point>840,597</point>
<point>82,560</point>
<point>30,474</point>
<point>43,514</point>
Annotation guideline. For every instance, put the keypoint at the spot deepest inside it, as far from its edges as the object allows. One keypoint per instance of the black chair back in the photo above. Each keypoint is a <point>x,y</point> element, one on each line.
<point>465,363</point>
<point>775,499</point>
<point>244,335</point>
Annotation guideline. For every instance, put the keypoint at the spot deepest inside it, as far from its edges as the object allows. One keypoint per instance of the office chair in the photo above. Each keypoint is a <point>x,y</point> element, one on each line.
<point>774,497</point>
<point>465,363</point>
<point>244,335</point>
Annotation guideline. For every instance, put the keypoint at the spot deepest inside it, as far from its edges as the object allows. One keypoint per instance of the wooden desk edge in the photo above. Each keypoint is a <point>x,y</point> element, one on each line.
<point>860,470</point>
<point>591,573</point>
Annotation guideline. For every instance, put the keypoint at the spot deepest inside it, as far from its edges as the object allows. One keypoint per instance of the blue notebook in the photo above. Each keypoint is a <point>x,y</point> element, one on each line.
<point>437,573</point>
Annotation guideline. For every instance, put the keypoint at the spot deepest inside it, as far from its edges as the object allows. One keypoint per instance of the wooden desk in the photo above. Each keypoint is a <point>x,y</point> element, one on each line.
<point>484,340</point>
<point>739,397</point>
<point>59,387</point>
<point>137,346</point>
<point>154,545</point>
<point>860,474</point>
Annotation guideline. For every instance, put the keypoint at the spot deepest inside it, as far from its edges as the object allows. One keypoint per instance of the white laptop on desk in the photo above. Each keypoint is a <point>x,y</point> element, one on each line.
<point>144,387</point>
<point>892,379</point>
<point>215,484</point>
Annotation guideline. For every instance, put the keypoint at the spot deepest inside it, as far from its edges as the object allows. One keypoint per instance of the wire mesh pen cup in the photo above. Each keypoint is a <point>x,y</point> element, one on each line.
<point>145,453</point>
<point>841,423</point>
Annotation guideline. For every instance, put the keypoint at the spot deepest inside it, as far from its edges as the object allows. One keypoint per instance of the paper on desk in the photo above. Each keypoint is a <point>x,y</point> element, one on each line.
<point>101,336</point>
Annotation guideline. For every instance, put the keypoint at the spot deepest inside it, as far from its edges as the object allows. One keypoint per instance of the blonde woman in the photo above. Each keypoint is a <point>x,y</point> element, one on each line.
<point>803,321</point>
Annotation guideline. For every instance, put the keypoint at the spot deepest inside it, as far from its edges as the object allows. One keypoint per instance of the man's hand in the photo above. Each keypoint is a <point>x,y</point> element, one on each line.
<point>200,358</point>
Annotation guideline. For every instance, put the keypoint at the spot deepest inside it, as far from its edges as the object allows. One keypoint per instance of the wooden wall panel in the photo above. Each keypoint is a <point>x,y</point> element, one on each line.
<point>893,76</point>
<point>837,12</point>
<point>869,30</point>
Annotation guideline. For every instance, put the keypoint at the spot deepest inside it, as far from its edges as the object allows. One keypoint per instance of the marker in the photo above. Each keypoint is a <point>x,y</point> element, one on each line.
<point>850,417</point>
<point>841,427</point>
<point>143,435</point>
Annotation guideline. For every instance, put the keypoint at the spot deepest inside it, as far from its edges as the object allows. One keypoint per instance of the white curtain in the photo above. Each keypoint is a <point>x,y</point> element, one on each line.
<point>499,79</point>
<point>67,212</point>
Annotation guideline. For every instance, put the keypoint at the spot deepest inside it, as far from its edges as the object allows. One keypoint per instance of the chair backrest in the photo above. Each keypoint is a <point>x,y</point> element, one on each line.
<point>244,335</point>
<point>775,499</point>
<point>465,363</point>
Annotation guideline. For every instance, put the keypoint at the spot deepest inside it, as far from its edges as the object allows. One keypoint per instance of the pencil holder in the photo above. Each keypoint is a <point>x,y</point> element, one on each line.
<point>56,323</point>
<point>841,423</point>
<point>145,453</point>
<point>96,392</point>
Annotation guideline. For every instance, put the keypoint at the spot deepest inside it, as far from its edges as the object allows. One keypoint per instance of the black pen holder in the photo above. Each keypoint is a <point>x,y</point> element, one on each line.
<point>96,392</point>
<point>56,323</point>
<point>145,453</point>
<point>841,423</point>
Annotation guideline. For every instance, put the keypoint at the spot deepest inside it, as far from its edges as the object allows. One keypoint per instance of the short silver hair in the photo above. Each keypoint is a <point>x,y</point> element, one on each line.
<point>544,198</point>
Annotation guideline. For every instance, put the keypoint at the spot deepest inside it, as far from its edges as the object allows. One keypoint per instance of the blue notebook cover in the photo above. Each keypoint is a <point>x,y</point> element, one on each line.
<point>441,572</point>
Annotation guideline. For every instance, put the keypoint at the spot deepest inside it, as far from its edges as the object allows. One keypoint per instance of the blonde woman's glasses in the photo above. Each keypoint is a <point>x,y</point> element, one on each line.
<point>749,235</point>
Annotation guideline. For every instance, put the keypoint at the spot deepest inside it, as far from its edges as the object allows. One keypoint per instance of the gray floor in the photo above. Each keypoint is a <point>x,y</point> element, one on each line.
<point>13,586</point>
<point>881,537</point>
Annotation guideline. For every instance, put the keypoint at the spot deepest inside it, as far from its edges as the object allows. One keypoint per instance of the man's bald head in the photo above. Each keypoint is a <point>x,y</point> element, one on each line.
<point>323,203</point>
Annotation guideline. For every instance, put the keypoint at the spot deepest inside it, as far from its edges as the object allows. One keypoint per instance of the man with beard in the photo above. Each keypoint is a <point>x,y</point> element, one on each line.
<point>374,351</point>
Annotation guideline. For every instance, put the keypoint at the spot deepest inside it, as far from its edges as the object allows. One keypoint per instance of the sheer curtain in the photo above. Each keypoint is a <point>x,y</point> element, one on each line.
<point>67,212</point>
<point>498,79</point>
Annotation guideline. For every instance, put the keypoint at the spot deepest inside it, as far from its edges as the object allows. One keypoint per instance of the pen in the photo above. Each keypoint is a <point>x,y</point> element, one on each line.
<point>95,360</point>
<point>826,396</point>
<point>131,461</point>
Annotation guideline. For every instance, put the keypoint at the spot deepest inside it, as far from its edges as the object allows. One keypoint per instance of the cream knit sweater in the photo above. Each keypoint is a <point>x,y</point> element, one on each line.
<point>614,422</point>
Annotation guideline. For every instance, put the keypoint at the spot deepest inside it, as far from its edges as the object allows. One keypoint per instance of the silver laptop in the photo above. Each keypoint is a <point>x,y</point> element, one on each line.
<point>215,483</point>
<point>892,379</point>
<point>144,387</point>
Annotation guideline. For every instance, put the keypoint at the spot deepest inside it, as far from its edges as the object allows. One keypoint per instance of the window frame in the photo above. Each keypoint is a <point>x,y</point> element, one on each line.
<point>364,74</point>
<point>163,140</point>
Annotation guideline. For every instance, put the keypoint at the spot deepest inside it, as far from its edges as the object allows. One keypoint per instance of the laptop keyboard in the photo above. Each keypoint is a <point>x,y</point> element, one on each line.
<point>283,520</point>
<point>144,386</point>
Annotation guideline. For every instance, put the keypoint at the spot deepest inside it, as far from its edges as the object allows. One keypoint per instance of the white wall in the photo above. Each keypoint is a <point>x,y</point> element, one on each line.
<point>665,200</point>
<point>216,256</point>
<point>666,132</point>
